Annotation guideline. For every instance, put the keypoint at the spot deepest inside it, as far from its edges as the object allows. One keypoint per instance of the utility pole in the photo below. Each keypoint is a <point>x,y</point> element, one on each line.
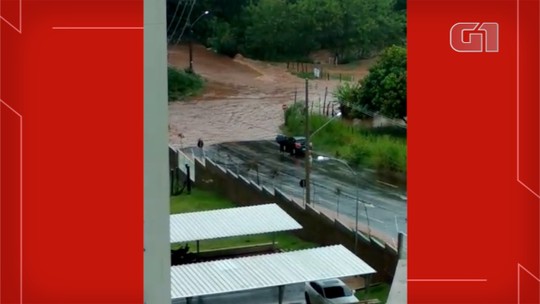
<point>307,164</point>
<point>190,48</point>
<point>191,36</point>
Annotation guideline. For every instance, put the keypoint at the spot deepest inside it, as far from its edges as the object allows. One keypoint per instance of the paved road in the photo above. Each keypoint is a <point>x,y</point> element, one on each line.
<point>386,206</point>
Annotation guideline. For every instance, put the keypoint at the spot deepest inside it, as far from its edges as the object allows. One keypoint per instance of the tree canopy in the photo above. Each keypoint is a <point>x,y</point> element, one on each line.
<point>383,90</point>
<point>292,29</point>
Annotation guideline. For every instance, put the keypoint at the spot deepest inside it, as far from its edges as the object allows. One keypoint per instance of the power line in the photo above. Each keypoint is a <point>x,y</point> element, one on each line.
<point>187,21</point>
<point>174,15</point>
<point>180,20</point>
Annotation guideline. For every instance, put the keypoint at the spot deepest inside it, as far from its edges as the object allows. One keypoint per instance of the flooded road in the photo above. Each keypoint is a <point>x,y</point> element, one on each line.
<point>386,206</point>
<point>242,99</point>
<point>238,116</point>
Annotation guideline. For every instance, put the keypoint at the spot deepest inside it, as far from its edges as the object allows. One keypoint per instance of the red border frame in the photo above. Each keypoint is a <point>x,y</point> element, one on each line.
<point>471,222</point>
<point>80,95</point>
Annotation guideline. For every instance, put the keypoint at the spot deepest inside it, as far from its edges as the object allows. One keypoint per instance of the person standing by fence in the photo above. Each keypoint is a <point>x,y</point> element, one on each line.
<point>200,145</point>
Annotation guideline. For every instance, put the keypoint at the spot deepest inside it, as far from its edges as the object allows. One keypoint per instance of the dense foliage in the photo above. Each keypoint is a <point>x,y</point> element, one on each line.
<point>382,149</point>
<point>182,84</point>
<point>292,29</point>
<point>383,91</point>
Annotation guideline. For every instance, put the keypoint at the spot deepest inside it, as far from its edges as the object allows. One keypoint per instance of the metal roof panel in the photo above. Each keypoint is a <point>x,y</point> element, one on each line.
<point>263,271</point>
<point>213,224</point>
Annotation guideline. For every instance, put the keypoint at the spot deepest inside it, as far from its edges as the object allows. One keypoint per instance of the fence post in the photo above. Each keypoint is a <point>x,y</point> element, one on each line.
<point>325,93</point>
<point>400,244</point>
<point>171,178</point>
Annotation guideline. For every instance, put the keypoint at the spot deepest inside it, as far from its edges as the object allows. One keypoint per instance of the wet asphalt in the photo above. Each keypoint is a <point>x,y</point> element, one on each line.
<point>386,204</point>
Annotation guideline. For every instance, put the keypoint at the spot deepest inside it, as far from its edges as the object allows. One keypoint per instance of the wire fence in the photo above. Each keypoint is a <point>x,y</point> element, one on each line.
<point>317,71</point>
<point>336,199</point>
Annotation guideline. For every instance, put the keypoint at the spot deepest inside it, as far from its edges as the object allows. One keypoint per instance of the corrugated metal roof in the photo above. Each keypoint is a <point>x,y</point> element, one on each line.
<point>213,224</point>
<point>263,271</point>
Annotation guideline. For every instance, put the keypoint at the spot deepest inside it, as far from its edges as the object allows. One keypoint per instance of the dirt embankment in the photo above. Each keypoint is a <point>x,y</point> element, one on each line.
<point>242,100</point>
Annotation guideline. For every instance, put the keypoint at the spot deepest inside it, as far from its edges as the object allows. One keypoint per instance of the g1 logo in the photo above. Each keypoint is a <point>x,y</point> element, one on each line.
<point>475,37</point>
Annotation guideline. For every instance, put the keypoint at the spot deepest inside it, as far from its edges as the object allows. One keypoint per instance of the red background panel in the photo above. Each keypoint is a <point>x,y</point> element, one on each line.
<point>469,218</point>
<point>528,287</point>
<point>10,11</point>
<point>529,127</point>
<point>80,93</point>
<point>10,208</point>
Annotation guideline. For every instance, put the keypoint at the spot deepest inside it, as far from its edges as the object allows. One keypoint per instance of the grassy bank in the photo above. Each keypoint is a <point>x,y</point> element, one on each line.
<point>378,291</point>
<point>200,200</point>
<point>382,149</point>
<point>183,84</point>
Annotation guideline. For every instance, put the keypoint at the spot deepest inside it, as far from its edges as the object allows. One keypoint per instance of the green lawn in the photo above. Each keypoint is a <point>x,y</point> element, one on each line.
<point>285,241</point>
<point>200,200</point>
<point>379,291</point>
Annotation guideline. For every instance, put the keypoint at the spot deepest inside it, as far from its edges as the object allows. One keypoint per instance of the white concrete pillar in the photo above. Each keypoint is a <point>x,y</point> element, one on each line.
<point>157,277</point>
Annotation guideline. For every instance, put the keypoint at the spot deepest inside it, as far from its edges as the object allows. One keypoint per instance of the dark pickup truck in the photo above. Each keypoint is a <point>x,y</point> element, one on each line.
<point>295,145</point>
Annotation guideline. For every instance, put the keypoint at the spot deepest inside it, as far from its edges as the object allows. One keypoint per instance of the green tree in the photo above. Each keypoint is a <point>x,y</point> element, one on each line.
<point>348,95</point>
<point>225,30</point>
<point>293,29</point>
<point>374,25</point>
<point>321,23</point>
<point>272,30</point>
<point>351,29</point>
<point>224,38</point>
<point>400,5</point>
<point>384,90</point>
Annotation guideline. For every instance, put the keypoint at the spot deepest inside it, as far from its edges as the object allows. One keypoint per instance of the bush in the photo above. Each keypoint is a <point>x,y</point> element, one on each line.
<point>360,153</point>
<point>183,84</point>
<point>224,39</point>
<point>388,155</point>
<point>382,149</point>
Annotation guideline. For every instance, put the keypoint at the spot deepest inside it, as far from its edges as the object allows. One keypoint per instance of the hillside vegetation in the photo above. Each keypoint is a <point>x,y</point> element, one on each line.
<point>182,84</point>
<point>292,29</point>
